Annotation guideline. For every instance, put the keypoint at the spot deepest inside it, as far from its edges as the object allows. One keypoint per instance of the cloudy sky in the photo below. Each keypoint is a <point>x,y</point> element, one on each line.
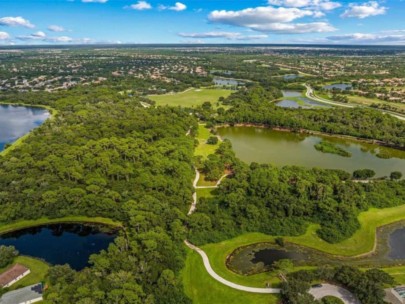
<point>208,21</point>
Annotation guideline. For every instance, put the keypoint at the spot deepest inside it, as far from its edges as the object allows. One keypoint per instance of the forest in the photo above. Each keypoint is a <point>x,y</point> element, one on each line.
<point>105,155</point>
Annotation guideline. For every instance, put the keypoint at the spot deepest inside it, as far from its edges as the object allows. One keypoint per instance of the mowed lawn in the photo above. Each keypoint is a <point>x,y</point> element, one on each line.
<point>203,149</point>
<point>203,289</point>
<point>190,98</point>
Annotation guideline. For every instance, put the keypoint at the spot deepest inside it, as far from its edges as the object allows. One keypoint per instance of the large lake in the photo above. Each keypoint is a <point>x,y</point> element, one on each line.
<point>16,121</point>
<point>285,148</point>
<point>61,243</point>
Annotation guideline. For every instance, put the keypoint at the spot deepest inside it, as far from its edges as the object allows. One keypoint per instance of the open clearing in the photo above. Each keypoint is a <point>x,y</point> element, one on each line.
<point>190,98</point>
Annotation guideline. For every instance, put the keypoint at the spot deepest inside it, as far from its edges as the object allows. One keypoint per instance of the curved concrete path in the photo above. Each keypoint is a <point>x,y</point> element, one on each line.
<point>213,274</point>
<point>332,290</point>
<point>194,203</point>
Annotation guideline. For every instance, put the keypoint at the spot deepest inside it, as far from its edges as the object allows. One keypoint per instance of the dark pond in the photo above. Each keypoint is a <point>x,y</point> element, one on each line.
<point>397,244</point>
<point>269,256</point>
<point>61,243</point>
<point>16,121</point>
<point>338,86</point>
<point>295,100</point>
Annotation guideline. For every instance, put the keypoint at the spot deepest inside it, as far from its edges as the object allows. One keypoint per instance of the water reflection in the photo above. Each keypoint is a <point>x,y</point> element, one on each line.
<point>16,121</point>
<point>61,243</point>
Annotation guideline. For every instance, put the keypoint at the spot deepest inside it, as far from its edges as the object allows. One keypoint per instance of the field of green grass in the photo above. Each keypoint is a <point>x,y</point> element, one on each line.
<point>190,98</point>
<point>203,289</point>
<point>204,149</point>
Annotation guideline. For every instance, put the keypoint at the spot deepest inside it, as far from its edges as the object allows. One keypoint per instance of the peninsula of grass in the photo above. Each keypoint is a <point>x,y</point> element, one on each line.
<point>328,147</point>
<point>68,219</point>
<point>190,98</point>
<point>203,149</point>
<point>361,243</point>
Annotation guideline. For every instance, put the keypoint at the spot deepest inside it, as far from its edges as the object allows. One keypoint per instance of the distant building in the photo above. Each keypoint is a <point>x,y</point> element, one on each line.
<point>26,295</point>
<point>12,275</point>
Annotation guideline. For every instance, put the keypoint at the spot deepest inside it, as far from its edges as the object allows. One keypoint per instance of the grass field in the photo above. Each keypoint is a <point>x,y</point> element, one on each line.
<point>190,98</point>
<point>203,289</point>
<point>45,221</point>
<point>204,149</point>
<point>369,101</point>
<point>38,270</point>
<point>398,273</point>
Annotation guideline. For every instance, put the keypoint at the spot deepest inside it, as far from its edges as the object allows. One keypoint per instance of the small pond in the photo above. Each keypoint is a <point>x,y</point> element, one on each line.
<point>286,148</point>
<point>16,121</point>
<point>291,76</point>
<point>219,81</point>
<point>61,243</point>
<point>338,86</point>
<point>295,100</point>
<point>397,244</point>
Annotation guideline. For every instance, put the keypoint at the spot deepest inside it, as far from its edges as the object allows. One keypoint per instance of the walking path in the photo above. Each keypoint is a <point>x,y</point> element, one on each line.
<point>194,203</point>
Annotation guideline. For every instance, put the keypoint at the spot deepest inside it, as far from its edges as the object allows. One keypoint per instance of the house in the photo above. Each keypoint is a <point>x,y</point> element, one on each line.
<point>13,274</point>
<point>26,295</point>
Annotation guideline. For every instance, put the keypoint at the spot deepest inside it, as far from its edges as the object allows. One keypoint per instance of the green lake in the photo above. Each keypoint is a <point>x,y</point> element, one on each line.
<point>252,144</point>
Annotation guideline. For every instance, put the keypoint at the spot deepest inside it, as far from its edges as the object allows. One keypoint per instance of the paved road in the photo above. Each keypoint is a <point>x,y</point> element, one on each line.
<point>310,94</point>
<point>213,274</point>
<point>331,290</point>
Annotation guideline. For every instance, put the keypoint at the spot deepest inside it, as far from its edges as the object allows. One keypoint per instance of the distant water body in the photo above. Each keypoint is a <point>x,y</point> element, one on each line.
<point>16,121</point>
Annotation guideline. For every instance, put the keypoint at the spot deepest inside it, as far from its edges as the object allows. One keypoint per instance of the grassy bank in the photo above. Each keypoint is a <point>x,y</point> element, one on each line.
<point>46,221</point>
<point>190,98</point>
<point>362,242</point>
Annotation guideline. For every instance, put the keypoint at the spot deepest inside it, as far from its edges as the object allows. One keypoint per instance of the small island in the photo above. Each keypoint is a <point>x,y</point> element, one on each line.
<point>328,147</point>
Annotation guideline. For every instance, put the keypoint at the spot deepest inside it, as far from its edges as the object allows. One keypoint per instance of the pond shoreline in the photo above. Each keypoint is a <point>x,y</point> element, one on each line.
<point>377,257</point>
<point>310,132</point>
<point>52,114</point>
<point>21,225</point>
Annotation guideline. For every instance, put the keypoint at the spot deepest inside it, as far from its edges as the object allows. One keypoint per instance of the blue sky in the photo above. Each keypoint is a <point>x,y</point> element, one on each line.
<point>209,21</point>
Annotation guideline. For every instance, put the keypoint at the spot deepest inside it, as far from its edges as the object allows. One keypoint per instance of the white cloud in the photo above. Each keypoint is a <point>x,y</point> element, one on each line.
<point>271,19</point>
<point>178,7</point>
<point>94,1</point>
<point>370,38</point>
<point>62,39</point>
<point>140,6</point>
<point>364,10</point>
<point>225,35</point>
<point>16,21</point>
<point>34,36</point>
<point>56,28</point>
<point>314,4</point>
<point>4,36</point>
